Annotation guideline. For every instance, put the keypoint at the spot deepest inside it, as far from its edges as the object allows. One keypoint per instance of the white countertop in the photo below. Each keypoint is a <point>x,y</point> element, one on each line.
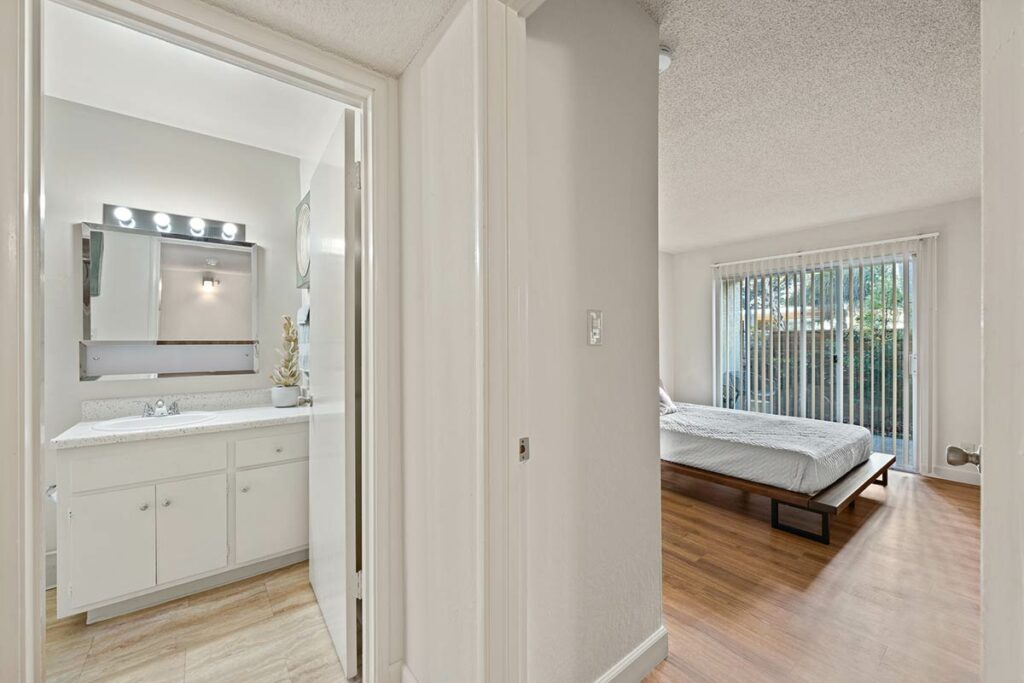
<point>83,434</point>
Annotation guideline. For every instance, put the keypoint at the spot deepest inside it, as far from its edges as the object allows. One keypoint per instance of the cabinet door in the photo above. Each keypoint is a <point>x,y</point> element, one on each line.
<point>191,527</point>
<point>271,510</point>
<point>113,544</point>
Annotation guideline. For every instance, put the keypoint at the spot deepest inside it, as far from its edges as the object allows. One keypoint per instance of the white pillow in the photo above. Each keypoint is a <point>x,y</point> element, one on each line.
<point>665,403</point>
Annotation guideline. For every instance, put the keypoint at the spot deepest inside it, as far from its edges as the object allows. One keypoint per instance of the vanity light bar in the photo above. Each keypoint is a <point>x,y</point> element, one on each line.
<point>194,227</point>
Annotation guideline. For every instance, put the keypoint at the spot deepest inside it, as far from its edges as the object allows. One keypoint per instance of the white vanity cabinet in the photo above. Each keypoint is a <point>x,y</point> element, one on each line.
<point>140,518</point>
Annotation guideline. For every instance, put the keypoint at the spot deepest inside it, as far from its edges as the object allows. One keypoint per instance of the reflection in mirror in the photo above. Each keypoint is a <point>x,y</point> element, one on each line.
<point>122,297</point>
<point>205,292</point>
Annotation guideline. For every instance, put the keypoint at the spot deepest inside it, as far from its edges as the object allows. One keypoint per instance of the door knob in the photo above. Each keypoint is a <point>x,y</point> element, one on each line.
<point>245,489</point>
<point>964,455</point>
<point>166,503</point>
<point>144,507</point>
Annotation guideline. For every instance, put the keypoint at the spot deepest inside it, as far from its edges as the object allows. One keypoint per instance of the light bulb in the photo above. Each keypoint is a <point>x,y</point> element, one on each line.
<point>197,226</point>
<point>124,216</point>
<point>229,230</point>
<point>162,221</point>
<point>208,283</point>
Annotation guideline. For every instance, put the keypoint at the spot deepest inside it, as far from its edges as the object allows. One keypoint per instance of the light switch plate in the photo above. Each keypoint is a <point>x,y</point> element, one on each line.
<point>595,327</point>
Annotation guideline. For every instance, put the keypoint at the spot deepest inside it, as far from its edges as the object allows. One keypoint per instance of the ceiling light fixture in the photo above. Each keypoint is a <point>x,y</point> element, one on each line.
<point>197,226</point>
<point>664,58</point>
<point>162,222</point>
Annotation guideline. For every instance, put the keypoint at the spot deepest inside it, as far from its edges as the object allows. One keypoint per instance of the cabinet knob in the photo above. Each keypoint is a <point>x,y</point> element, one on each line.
<point>166,503</point>
<point>245,489</point>
<point>144,507</point>
<point>279,449</point>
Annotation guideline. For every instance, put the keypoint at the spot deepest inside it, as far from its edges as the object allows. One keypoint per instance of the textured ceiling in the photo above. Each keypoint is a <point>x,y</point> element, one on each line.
<point>782,114</point>
<point>381,34</point>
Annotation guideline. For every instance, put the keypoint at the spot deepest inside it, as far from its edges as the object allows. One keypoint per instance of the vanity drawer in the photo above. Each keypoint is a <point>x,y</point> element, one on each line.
<point>130,463</point>
<point>267,449</point>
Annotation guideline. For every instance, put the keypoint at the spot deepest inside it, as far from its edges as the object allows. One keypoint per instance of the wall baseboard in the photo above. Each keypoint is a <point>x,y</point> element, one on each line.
<point>630,669</point>
<point>964,475</point>
<point>641,661</point>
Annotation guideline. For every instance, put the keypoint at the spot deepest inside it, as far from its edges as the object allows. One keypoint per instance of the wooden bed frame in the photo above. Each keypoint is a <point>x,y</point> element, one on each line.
<point>831,501</point>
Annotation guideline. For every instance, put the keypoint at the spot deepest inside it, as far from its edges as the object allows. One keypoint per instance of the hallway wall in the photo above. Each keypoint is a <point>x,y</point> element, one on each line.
<point>593,482</point>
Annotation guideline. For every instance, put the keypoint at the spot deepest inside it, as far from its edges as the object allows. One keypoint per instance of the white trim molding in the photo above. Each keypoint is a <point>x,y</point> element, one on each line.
<point>406,676</point>
<point>233,39</point>
<point>641,661</point>
<point>967,474</point>
<point>21,509</point>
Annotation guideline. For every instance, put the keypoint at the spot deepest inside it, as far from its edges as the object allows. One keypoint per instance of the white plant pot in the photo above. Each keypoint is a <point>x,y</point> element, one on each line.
<point>284,397</point>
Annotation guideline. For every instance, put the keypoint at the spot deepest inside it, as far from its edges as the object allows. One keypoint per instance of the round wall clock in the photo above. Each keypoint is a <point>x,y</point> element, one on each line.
<point>302,243</point>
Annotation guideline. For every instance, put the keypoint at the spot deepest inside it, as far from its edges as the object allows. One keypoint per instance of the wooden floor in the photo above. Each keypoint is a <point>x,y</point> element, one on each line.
<point>894,597</point>
<point>267,628</point>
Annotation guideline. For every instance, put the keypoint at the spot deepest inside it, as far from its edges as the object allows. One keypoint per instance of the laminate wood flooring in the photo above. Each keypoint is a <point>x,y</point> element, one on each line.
<point>895,597</point>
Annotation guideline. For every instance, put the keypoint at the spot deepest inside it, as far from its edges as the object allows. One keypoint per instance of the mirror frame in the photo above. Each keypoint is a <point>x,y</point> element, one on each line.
<point>157,348</point>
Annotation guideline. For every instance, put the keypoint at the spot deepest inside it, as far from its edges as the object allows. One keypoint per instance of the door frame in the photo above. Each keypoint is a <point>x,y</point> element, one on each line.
<point>233,39</point>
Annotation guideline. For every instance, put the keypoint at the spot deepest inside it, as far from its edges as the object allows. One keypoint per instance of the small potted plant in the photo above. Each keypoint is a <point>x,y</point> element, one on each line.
<point>285,376</point>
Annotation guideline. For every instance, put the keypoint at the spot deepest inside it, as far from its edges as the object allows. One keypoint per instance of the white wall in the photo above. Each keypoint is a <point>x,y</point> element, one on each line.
<point>1002,515</point>
<point>442,364</point>
<point>666,320</point>
<point>957,386</point>
<point>92,156</point>
<point>593,499</point>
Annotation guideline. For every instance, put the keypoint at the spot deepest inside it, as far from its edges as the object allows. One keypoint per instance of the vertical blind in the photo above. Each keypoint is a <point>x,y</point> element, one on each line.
<point>827,335</point>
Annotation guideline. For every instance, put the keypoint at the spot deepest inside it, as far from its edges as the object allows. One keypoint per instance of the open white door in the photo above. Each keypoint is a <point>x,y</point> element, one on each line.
<point>334,378</point>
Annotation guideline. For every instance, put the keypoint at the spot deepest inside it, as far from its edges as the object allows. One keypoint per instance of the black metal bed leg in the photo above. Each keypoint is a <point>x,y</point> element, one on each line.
<point>823,537</point>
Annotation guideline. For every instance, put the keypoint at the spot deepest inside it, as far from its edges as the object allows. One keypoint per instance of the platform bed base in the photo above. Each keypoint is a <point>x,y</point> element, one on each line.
<point>826,503</point>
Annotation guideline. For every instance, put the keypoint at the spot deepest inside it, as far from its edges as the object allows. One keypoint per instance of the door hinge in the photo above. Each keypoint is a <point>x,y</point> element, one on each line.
<point>524,449</point>
<point>359,585</point>
<point>359,175</point>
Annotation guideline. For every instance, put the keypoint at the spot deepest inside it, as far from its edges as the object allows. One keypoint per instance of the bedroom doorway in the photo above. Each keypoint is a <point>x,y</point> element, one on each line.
<point>831,335</point>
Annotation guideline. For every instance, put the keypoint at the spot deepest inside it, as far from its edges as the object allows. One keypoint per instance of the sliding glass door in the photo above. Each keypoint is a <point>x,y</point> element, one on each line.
<point>830,338</point>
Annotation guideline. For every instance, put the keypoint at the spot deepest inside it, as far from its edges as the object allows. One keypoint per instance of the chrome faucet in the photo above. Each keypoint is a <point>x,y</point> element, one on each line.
<point>160,409</point>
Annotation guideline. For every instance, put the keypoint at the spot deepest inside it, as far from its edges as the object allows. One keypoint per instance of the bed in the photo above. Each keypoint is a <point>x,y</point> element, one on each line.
<point>810,464</point>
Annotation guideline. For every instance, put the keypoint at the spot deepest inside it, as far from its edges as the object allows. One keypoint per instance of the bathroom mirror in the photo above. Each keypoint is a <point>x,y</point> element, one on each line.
<point>161,305</point>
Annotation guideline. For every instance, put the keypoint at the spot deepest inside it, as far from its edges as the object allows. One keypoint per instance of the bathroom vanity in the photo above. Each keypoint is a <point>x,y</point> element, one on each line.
<point>150,509</point>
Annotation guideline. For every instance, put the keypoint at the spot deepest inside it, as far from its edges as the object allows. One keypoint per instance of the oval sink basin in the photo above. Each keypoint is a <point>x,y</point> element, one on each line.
<point>141,424</point>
